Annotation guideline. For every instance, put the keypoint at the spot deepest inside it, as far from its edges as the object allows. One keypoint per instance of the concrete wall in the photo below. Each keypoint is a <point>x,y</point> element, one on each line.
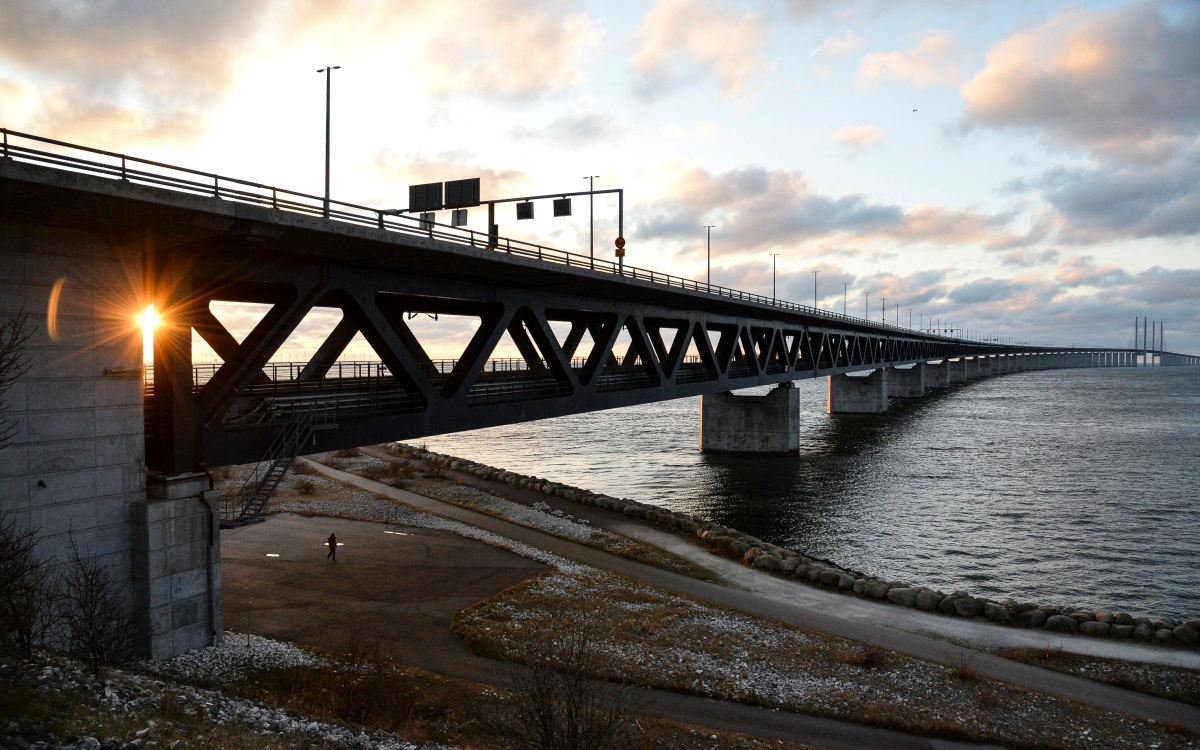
<point>751,424</point>
<point>76,463</point>
<point>177,563</point>
<point>908,382</point>
<point>858,395</point>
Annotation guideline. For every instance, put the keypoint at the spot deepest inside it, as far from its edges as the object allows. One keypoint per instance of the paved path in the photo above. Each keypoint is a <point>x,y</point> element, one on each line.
<point>788,610</point>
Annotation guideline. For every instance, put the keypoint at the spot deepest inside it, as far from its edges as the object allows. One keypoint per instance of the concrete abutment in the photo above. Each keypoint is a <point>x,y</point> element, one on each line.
<point>855,394</point>
<point>751,424</point>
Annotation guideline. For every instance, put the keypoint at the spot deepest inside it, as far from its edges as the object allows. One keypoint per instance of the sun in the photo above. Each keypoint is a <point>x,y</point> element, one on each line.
<point>149,320</point>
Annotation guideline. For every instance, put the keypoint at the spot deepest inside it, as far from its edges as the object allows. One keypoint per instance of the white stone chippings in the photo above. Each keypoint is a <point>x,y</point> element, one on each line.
<point>237,656</point>
<point>130,693</point>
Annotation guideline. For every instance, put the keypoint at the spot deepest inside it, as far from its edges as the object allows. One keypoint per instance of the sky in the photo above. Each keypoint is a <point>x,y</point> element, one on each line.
<point>1028,169</point>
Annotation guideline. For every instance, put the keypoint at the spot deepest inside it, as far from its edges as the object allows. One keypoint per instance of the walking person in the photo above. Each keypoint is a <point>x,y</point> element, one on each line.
<point>332,542</point>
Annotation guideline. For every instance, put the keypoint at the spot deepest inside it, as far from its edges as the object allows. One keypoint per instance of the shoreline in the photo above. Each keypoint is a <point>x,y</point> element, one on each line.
<point>1097,625</point>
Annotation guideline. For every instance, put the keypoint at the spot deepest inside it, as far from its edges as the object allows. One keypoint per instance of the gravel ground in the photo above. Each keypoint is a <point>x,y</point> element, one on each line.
<point>137,697</point>
<point>649,637</point>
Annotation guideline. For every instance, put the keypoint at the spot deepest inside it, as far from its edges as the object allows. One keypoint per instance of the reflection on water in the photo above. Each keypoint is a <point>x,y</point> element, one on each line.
<point>1069,486</point>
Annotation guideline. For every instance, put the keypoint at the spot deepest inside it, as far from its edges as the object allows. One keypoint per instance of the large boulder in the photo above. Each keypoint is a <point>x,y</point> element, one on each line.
<point>928,599</point>
<point>1121,631</point>
<point>1186,635</point>
<point>1123,618</point>
<point>1030,618</point>
<point>877,589</point>
<point>860,585</point>
<point>968,606</point>
<point>1094,627</point>
<point>846,582</point>
<point>1062,624</point>
<point>904,596</point>
<point>1143,630</point>
<point>1104,616</point>
<point>830,577</point>
<point>997,613</point>
<point>1082,616</point>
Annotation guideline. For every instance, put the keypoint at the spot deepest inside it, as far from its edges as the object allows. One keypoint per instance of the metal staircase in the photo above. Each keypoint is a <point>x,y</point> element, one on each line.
<point>247,506</point>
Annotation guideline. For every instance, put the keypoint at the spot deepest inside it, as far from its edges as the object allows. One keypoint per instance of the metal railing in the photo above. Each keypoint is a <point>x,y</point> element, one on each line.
<point>195,182</point>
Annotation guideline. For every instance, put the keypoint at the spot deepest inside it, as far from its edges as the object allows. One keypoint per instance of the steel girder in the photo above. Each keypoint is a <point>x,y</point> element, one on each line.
<point>233,415</point>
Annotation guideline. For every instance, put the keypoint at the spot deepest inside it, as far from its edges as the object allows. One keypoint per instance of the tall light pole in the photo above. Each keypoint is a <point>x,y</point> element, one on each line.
<point>867,306</point>
<point>910,318</point>
<point>328,71</point>
<point>773,256</point>
<point>709,227</point>
<point>591,216</point>
<point>815,289</point>
<point>883,315</point>
<point>845,291</point>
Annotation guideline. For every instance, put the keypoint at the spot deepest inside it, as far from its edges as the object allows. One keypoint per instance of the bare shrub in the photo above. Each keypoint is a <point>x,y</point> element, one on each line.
<point>963,668</point>
<point>346,453</point>
<point>867,657</point>
<point>559,704</point>
<point>100,628</point>
<point>26,590</point>
<point>305,487</point>
<point>304,469</point>
<point>14,362</point>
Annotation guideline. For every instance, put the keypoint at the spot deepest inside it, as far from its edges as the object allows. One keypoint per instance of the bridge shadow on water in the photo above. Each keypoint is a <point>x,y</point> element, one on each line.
<point>789,500</point>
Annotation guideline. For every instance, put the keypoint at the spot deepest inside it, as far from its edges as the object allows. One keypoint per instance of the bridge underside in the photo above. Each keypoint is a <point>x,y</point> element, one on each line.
<point>576,354</point>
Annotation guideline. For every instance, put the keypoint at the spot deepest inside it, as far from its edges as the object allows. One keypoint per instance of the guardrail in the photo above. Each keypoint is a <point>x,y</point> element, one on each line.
<point>195,182</point>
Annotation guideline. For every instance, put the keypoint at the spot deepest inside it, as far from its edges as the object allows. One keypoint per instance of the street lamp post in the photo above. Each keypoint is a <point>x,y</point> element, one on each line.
<point>867,306</point>
<point>591,217</point>
<point>773,256</point>
<point>815,289</point>
<point>845,291</point>
<point>883,315</point>
<point>328,71</point>
<point>708,262</point>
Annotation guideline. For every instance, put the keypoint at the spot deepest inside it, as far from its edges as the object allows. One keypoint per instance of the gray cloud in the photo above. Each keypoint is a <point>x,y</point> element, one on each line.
<point>141,67</point>
<point>576,129</point>
<point>1121,82</point>
<point>771,208</point>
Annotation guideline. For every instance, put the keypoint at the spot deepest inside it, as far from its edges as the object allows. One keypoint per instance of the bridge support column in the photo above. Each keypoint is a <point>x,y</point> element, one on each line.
<point>177,564</point>
<point>970,368</point>
<point>985,366</point>
<point>907,383</point>
<point>937,375</point>
<point>751,424</point>
<point>858,395</point>
<point>958,370</point>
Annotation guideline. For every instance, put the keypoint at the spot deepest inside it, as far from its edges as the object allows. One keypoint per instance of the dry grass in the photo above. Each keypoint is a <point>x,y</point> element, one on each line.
<point>346,453</point>
<point>1176,683</point>
<point>666,641</point>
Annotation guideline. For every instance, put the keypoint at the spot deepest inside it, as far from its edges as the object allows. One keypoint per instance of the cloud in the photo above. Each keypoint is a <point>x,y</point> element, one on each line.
<point>514,50</point>
<point>583,127</point>
<point>1081,270</point>
<point>858,138</point>
<point>1123,83</point>
<point>409,169</point>
<point>681,39</point>
<point>774,208</point>
<point>932,62</point>
<point>112,71</point>
<point>1109,202</point>
<point>839,46</point>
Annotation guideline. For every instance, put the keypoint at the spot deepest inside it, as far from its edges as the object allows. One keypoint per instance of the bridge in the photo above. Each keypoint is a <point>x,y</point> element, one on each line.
<point>93,237</point>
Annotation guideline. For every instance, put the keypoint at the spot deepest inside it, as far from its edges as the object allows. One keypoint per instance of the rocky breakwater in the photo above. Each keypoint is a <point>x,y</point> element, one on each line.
<point>825,574</point>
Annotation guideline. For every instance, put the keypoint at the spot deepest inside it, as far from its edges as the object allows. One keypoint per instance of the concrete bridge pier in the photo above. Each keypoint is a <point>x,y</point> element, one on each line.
<point>858,395</point>
<point>958,370</point>
<point>937,375</point>
<point>177,564</point>
<point>985,366</point>
<point>907,382</point>
<point>751,424</point>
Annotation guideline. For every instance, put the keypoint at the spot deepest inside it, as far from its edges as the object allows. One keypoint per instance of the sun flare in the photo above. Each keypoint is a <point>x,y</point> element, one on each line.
<point>149,320</point>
